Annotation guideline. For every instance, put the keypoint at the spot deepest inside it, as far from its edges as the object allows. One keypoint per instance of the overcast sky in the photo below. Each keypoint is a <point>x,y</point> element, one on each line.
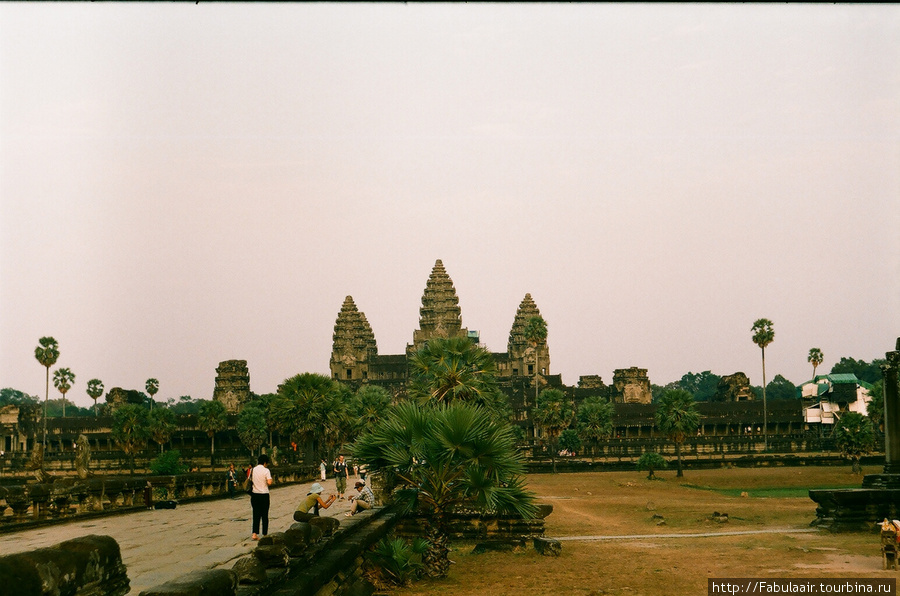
<point>185,184</point>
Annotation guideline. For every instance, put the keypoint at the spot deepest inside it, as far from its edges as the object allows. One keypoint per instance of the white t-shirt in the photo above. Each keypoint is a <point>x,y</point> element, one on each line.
<point>261,475</point>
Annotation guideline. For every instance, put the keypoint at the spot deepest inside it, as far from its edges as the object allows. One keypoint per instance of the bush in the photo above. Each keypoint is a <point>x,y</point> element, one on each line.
<point>651,461</point>
<point>397,561</point>
<point>168,464</point>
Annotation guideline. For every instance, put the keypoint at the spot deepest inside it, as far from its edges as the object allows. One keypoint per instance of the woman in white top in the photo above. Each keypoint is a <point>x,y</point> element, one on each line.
<point>260,480</point>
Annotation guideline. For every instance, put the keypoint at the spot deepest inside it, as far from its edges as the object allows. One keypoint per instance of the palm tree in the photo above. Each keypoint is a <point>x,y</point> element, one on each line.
<point>554,412</point>
<point>677,417</point>
<point>152,387</point>
<point>370,404</point>
<point>211,419</point>
<point>251,426</point>
<point>129,429</point>
<point>595,421</point>
<point>536,334</point>
<point>95,390</point>
<point>815,358</point>
<point>763,335</point>
<point>309,408</point>
<point>444,458</point>
<point>854,435</point>
<point>161,425</point>
<point>62,380</point>
<point>447,370</point>
<point>46,353</point>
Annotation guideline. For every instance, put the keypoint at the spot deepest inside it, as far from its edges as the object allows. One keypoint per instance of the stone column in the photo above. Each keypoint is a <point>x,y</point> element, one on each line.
<point>890,371</point>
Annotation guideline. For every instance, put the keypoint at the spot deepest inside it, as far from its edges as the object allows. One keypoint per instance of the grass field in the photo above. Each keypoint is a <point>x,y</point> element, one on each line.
<point>596,504</point>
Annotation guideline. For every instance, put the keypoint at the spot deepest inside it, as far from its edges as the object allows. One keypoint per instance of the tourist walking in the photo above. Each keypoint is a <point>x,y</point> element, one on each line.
<point>340,476</point>
<point>310,505</point>
<point>260,481</point>
<point>364,500</point>
<point>322,469</point>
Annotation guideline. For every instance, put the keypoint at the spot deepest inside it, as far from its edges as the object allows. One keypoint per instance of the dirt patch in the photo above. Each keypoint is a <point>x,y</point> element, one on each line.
<point>625,503</point>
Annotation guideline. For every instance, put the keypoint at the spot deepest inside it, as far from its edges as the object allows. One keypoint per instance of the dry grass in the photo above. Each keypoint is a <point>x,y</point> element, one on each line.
<point>624,503</point>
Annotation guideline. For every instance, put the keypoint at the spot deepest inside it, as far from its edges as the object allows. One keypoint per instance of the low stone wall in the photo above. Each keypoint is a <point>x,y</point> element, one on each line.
<point>31,504</point>
<point>323,557</point>
<point>476,526</point>
<point>86,566</point>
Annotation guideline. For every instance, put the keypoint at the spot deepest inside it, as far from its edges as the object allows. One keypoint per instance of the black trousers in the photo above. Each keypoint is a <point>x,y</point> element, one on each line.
<point>260,504</point>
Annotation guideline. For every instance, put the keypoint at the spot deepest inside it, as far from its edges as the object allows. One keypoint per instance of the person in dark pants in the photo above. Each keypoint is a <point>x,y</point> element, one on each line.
<point>231,480</point>
<point>260,481</point>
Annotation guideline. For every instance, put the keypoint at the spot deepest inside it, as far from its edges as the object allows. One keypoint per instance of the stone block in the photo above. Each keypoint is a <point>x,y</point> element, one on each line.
<point>498,546</point>
<point>548,547</point>
<point>272,555</point>
<point>273,538</point>
<point>297,538</point>
<point>206,582</point>
<point>328,525</point>
<point>249,570</point>
<point>86,566</point>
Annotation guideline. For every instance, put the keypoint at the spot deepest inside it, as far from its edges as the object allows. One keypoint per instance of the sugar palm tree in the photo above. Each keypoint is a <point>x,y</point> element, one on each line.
<point>161,425</point>
<point>554,412</point>
<point>815,358</point>
<point>444,458</point>
<point>129,429</point>
<point>152,386</point>
<point>62,380</point>
<point>46,353</point>
<point>455,369</point>
<point>594,421</point>
<point>310,408</point>
<point>536,334</point>
<point>95,390</point>
<point>763,335</point>
<point>211,419</point>
<point>677,417</point>
<point>854,435</point>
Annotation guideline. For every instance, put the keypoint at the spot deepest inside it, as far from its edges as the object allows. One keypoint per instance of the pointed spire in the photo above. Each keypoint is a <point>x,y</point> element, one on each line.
<point>354,341</point>
<point>440,315</point>
<point>527,309</point>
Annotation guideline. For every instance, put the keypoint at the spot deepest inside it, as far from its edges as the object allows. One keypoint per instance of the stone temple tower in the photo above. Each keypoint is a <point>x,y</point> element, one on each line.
<point>354,344</point>
<point>439,316</point>
<point>232,385</point>
<point>525,358</point>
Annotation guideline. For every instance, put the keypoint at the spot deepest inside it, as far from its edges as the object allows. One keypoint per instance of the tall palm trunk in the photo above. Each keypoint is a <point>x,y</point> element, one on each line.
<point>680,473</point>
<point>46,399</point>
<point>437,557</point>
<point>765,409</point>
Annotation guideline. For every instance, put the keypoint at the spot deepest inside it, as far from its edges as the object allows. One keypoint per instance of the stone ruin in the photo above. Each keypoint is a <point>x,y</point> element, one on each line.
<point>232,385</point>
<point>734,387</point>
<point>117,396</point>
<point>631,386</point>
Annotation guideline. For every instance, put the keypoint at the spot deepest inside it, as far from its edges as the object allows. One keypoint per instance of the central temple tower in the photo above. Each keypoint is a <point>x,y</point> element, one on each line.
<point>440,315</point>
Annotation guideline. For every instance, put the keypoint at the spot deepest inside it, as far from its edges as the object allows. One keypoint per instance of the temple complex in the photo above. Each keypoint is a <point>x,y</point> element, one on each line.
<point>232,385</point>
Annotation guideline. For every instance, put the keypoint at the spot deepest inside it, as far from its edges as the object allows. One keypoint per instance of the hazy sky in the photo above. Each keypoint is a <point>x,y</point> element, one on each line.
<point>185,184</point>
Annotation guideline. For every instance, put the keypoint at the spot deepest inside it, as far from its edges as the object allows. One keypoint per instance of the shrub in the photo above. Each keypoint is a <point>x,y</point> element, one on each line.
<point>398,562</point>
<point>168,463</point>
<point>651,461</point>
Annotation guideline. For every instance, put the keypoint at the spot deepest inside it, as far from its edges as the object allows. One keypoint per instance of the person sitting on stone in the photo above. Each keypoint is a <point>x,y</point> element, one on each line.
<point>312,502</point>
<point>364,500</point>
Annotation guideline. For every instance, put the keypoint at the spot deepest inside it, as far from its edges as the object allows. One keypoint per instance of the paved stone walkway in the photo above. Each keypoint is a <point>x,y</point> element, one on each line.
<point>162,544</point>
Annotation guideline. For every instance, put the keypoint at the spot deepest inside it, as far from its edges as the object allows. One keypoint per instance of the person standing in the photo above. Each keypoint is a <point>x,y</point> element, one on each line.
<point>231,480</point>
<point>260,481</point>
<point>322,469</point>
<point>340,476</point>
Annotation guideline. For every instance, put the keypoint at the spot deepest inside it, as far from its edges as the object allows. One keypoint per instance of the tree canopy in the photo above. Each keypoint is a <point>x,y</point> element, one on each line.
<point>677,417</point>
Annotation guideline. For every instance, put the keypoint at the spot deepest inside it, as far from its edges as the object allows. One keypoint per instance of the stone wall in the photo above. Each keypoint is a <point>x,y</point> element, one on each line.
<point>86,566</point>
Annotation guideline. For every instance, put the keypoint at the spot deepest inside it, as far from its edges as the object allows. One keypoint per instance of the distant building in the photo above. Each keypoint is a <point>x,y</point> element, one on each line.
<point>826,396</point>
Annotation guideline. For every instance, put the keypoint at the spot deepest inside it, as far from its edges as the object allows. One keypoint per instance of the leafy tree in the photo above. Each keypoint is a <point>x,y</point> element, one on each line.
<point>168,463</point>
<point>781,388</point>
<point>763,335</point>
<point>677,417</point>
<point>161,425</point>
<point>447,370</point>
<point>595,423</point>
<point>870,372</point>
<point>152,386</point>
<point>211,419</point>
<point>129,429</point>
<point>46,354</point>
<point>443,459</point>
<point>554,412</point>
<point>536,334</point>
<point>854,435</point>
<point>703,386</point>
<point>815,358</point>
<point>62,380</point>
<point>651,461</point>
<point>251,426</point>
<point>369,405</point>
<point>94,391</point>
<point>875,409</point>
<point>185,405</point>
<point>397,561</point>
<point>14,397</point>
<point>569,440</point>
<point>309,408</point>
